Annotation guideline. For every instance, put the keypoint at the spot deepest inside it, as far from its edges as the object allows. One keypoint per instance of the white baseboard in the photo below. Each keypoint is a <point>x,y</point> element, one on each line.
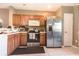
<point>67,46</point>
<point>63,46</point>
<point>74,46</point>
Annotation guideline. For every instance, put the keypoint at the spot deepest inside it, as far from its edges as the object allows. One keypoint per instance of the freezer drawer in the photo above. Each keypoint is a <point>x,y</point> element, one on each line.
<point>50,39</point>
<point>50,43</point>
<point>57,42</point>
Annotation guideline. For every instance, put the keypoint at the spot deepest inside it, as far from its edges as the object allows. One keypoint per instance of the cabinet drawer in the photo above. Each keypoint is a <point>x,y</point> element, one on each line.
<point>42,37</point>
<point>23,33</point>
<point>42,34</point>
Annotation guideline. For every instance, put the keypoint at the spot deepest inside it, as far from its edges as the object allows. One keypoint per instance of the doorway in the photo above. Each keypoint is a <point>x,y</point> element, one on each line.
<point>68,29</point>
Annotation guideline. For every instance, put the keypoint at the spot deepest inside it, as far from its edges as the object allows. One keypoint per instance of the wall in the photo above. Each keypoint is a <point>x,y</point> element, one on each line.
<point>4,15</point>
<point>30,12</point>
<point>66,9</point>
<point>11,12</point>
<point>59,13</point>
<point>76,26</point>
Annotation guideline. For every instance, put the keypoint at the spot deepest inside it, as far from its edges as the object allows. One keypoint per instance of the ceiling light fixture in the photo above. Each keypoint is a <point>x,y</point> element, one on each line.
<point>24,4</point>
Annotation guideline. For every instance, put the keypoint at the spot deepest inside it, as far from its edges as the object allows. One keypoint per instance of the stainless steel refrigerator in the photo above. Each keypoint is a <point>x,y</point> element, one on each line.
<point>54,33</point>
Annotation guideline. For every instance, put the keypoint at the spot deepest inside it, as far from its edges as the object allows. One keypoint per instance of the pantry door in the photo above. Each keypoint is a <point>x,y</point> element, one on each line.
<point>68,29</point>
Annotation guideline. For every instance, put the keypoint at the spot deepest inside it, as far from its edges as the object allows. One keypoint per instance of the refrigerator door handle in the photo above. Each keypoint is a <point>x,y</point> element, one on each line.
<point>52,33</point>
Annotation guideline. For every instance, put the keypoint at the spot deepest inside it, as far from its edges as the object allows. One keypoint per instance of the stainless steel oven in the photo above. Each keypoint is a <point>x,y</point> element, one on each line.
<point>33,38</point>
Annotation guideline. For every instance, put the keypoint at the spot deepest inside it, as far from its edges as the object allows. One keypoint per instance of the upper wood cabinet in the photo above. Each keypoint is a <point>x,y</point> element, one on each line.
<point>42,20</point>
<point>38,17</point>
<point>20,19</point>
<point>16,19</point>
<point>24,19</point>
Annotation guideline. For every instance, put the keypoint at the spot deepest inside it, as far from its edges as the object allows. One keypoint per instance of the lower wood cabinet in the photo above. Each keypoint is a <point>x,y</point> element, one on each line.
<point>23,39</point>
<point>13,42</point>
<point>17,40</point>
<point>11,45</point>
<point>42,39</point>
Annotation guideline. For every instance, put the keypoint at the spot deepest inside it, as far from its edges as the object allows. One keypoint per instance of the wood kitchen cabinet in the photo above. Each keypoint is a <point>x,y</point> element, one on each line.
<point>37,17</point>
<point>24,19</point>
<point>42,39</point>
<point>16,40</point>
<point>34,17</point>
<point>20,19</point>
<point>13,42</point>
<point>42,21</point>
<point>23,39</point>
<point>11,45</point>
<point>16,19</point>
<point>40,18</point>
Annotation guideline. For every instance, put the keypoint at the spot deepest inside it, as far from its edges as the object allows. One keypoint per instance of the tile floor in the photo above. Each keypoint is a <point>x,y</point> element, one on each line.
<point>65,51</point>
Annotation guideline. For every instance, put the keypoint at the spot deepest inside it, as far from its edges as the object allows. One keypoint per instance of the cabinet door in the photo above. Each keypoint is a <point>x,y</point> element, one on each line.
<point>16,20</point>
<point>42,39</point>
<point>10,44</point>
<point>24,19</point>
<point>37,17</point>
<point>42,20</point>
<point>13,44</point>
<point>23,38</point>
<point>16,41</point>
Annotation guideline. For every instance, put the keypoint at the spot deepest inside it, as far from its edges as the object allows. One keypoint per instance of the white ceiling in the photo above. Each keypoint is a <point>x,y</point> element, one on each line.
<point>38,7</point>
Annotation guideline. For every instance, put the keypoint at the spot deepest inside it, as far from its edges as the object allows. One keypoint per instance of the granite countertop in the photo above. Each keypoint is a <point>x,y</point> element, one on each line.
<point>10,33</point>
<point>16,33</point>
